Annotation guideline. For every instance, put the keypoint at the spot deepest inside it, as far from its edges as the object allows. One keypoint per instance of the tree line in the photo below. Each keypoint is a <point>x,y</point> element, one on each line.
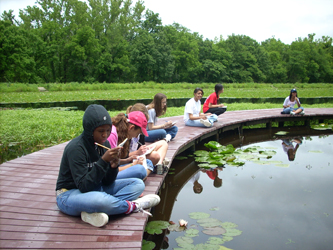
<point>116,41</point>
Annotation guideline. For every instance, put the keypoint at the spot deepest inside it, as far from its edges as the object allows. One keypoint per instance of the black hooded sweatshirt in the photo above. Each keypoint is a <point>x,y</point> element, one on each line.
<point>81,165</point>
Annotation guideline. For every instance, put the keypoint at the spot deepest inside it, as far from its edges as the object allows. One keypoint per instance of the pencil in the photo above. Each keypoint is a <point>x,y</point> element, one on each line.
<point>102,146</point>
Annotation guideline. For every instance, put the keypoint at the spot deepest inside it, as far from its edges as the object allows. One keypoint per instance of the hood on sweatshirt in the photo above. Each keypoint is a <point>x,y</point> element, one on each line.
<point>94,116</point>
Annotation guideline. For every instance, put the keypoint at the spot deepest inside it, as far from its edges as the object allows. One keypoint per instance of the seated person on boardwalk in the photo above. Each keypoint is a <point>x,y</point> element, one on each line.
<point>211,105</point>
<point>166,131</point>
<point>130,126</point>
<point>289,103</point>
<point>192,115</point>
<point>137,145</point>
<point>87,183</point>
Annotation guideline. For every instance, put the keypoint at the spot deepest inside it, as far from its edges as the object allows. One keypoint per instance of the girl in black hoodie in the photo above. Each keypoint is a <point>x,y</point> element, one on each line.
<point>87,184</point>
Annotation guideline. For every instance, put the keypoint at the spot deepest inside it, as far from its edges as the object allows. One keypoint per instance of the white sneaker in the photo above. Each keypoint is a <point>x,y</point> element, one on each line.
<point>147,201</point>
<point>206,122</point>
<point>167,138</point>
<point>95,219</point>
<point>292,113</point>
<point>302,112</point>
<point>166,161</point>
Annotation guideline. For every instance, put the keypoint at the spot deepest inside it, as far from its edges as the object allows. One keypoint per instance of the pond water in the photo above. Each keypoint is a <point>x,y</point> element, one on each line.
<point>275,206</point>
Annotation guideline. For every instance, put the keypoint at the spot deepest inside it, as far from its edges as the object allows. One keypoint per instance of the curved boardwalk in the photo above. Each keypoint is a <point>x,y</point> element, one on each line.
<point>29,217</point>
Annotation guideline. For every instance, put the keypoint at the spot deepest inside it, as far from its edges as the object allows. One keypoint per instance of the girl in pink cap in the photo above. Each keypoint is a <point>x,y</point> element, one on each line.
<point>130,126</point>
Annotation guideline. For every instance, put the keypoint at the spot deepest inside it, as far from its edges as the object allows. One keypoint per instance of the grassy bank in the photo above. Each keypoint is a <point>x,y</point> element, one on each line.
<point>25,131</point>
<point>12,93</point>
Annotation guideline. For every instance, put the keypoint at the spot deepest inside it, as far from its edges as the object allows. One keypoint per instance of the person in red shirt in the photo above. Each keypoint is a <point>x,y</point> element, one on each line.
<point>212,105</point>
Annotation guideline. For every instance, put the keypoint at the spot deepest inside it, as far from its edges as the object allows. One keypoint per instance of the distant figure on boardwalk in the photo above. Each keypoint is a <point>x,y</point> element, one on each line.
<point>289,103</point>
<point>87,183</point>
<point>192,114</point>
<point>166,131</point>
<point>211,105</point>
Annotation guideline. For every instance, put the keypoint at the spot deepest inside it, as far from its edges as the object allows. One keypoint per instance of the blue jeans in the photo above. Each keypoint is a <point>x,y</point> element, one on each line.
<point>110,199</point>
<point>289,109</point>
<point>196,123</point>
<point>135,171</point>
<point>159,134</point>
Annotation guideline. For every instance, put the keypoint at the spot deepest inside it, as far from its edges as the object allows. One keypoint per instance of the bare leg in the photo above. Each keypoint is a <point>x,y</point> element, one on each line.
<point>298,111</point>
<point>161,148</point>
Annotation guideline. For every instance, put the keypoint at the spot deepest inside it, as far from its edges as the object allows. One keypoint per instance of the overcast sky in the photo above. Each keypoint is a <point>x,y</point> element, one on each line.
<point>259,19</point>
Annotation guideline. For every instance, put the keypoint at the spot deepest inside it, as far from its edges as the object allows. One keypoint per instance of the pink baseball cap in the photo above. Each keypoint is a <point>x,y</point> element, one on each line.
<point>138,118</point>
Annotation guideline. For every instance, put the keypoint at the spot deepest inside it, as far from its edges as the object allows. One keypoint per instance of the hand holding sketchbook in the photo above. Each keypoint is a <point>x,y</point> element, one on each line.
<point>149,150</point>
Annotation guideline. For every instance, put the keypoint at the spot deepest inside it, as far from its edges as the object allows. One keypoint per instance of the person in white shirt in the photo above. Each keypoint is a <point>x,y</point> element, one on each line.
<point>289,103</point>
<point>192,114</point>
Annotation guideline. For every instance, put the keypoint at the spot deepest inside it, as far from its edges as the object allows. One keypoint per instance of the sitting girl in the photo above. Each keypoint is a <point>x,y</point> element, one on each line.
<point>137,144</point>
<point>192,115</point>
<point>211,104</point>
<point>289,103</point>
<point>166,131</point>
<point>130,126</point>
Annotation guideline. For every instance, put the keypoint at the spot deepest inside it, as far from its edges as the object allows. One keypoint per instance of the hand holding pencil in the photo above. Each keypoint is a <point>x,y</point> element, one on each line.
<point>112,155</point>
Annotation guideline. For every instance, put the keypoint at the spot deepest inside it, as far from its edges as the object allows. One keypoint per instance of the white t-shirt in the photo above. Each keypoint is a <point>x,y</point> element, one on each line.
<point>288,102</point>
<point>192,107</point>
<point>152,117</point>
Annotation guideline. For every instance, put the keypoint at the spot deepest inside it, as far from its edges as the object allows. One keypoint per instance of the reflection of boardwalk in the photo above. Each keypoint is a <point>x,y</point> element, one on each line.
<point>29,217</point>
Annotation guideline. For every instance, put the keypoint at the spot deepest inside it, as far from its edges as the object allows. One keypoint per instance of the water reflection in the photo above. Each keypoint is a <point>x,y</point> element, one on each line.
<point>274,207</point>
<point>290,146</point>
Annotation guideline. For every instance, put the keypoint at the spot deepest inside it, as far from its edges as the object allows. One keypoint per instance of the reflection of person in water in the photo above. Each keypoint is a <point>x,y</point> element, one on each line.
<point>288,147</point>
<point>213,174</point>
<point>197,187</point>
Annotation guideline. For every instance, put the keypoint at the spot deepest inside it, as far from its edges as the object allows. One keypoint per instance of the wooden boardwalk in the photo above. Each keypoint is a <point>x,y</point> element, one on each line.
<point>30,219</point>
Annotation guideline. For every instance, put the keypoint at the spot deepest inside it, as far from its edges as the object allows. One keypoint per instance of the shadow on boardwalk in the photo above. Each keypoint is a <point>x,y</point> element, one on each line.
<point>29,217</point>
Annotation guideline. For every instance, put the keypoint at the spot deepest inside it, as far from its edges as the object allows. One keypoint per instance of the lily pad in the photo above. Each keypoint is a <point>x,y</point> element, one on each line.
<point>148,245</point>
<point>209,222</point>
<point>282,165</point>
<point>213,145</point>
<point>224,248</point>
<point>202,159</point>
<point>316,151</point>
<point>176,228</point>
<point>155,227</point>
<point>214,231</point>
<point>232,232</point>
<point>227,149</point>
<point>198,215</point>
<point>270,152</point>
<point>185,242</point>
<point>201,153</point>
<point>215,241</point>
<point>192,232</point>
<point>227,225</point>
<point>215,155</point>
<point>230,158</point>
<point>236,163</point>
<point>219,162</point>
